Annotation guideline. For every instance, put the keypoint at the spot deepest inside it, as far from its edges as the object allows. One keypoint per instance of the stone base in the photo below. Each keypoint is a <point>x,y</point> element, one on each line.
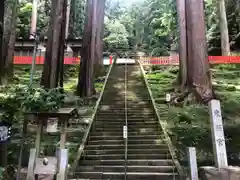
<point>212,173</point>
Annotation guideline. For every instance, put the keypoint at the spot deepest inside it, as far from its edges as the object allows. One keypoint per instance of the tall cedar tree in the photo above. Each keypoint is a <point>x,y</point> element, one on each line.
<point>85,85</point>
<point>198,70</point>
<point>54,58</point>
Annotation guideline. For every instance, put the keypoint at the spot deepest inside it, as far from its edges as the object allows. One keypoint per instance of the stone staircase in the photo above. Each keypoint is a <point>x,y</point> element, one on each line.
<point>147,153</point>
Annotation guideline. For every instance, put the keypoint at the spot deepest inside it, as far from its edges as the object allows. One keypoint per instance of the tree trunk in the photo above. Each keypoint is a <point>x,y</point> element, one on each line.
<point>100,31</point>
<point>9,41</point>
<point>63,37</point>
<point>50,77</point>
<point>45,80</point>
<point>67,17</point>
<point>2,6</point>
<point>34,18</point>
<point>182,77</point>
<point>223,28</point>
<point>99,38</point>
<point>197,62</point>
<point>11,44</point>
<point>85,81</point>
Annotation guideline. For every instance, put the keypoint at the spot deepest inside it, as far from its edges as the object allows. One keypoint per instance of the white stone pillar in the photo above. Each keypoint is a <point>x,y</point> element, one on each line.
<point>218,139</point>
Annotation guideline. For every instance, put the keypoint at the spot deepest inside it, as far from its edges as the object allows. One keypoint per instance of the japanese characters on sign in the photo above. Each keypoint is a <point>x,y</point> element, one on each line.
<point>218,134</point>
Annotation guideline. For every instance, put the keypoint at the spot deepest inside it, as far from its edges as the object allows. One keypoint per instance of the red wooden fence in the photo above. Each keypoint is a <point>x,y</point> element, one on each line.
<point>163,60</point>
<point>174,60</point>
<point>40,60</point>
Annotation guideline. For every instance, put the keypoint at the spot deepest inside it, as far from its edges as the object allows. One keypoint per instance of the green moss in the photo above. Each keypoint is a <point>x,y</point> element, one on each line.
<point>190,125</point>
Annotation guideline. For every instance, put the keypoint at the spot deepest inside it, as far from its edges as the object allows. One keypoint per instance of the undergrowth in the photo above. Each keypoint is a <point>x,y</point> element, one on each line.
<point>189,126</point>
<point>17,98</point>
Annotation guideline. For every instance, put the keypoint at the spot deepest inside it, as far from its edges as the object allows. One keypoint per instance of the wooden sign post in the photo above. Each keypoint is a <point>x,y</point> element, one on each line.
<point>218,138</point>
<point>192,160</point>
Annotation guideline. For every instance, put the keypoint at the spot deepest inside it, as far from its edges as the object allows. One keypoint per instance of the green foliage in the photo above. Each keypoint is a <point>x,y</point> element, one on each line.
<point>18,99</point>
<point>24,18</point>
<point>117,36</point>
<point>77,16</point>
<point>189,124</point>
<point>43,100</point>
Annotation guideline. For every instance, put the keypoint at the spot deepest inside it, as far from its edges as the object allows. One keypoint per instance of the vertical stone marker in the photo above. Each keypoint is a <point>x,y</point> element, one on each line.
<point>192,160</point>
<point>218,138</point>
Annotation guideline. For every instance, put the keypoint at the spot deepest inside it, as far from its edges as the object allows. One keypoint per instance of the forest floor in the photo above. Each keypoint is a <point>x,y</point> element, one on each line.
<point>50,142</point>
<point>189,126</point>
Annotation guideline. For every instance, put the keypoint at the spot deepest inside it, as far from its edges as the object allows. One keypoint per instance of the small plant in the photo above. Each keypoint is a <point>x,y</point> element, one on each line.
<point>20,99</point>
<point>43,100</point>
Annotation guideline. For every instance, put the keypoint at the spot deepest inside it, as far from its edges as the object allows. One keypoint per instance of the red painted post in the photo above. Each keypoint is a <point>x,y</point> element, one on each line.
<point>111,58</point>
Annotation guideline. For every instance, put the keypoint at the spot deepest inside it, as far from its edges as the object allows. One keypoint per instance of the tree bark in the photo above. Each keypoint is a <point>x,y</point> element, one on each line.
<point>181,9</point>
<point>223,28</point>
<point>197,62</point>
<point>63,37</point>
<point>85,81</point>
<point>45,80</point>
<point>11,44</point>
<point>8,42</point>
<point>67,17</point>
<point>34,18</point>
<point>2,7</point>
<point>100,32</point>
<point>50,76</point>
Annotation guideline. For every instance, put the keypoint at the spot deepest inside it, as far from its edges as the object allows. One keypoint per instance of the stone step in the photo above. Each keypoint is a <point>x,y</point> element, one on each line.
<point>129,141</point>
<point>122,156</point>
<point>131,131</point>
<point>130,175</point>
<point>120,133</point>
<point>130,128</point>
<point>129,123</point>
<point>108,168</point>
<point>129,151</point>
<point>119,120</point>
<point>129,113</point>
<point>121,137</point>
<point>122,146</point>
<point>123,110</point>
<point>138,162</point>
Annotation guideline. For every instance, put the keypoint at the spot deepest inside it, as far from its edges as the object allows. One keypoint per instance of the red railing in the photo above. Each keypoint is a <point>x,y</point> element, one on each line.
<point>174,60</point>
<point>163,60</point>
<point>40,60</point>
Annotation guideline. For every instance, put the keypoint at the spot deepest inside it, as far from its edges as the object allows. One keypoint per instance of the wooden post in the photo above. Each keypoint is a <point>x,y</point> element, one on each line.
<point>192,160</point>
<point>63,164</point>
<point>31,164</point>
<point>63,135</point>
<point>218,138</point>
<point>38,138</point>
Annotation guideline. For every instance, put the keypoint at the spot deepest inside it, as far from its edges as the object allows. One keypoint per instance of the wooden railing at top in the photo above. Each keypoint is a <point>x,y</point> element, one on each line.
<point>174,60</point>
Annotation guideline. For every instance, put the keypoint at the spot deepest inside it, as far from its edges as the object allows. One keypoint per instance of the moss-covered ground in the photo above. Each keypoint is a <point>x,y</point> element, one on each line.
<point>50,142</point>
<point>189,126</point>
